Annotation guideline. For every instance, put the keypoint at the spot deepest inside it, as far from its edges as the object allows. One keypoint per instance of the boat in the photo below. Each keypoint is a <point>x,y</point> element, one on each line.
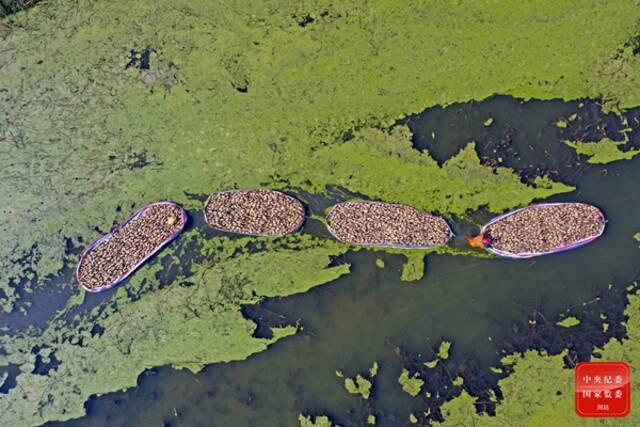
<point>105,255</point>
<point>534,228</point>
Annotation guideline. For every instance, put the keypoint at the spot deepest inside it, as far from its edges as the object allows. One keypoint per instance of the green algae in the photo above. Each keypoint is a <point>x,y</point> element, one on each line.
<point>318,421</point>
<point>442,354</point>
<point>360,385</point>
<point>239,95</point>
<point>413,419</point>
<point>256,270</point>
<point>443,350</point>
<point>568,322</point>
<point>413,268</point>
<point>488,122</point>
<point>379,263</point>
<point>603,151</point>
<point>562,124</point>
<point>411,384</point>
<point>539,389</point>
<point>109,174</point>
<point>431,364</point>
<point>384,166</point>
<point>185,325</point>
<point>637,237</point>
<point>371,419</point>
<point>373,370</point>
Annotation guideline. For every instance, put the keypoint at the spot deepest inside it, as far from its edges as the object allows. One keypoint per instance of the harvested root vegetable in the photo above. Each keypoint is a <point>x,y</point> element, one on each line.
<point>260,212</point>
<point>386,224</point>
<point>112,258</point>
<point>543,229</point>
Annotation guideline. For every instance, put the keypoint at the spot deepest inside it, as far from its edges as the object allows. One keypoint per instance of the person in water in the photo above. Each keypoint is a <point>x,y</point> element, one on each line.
<point>479,241</point>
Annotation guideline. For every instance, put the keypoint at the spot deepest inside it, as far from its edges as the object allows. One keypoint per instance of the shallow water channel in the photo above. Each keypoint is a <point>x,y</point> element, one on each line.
<point>482,306</point>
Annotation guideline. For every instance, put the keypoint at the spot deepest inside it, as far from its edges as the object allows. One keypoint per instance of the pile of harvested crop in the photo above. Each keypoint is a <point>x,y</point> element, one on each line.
<point>543,229</point>
<point>112,258</point>
<point>260,212</point>
<point>386,224</point>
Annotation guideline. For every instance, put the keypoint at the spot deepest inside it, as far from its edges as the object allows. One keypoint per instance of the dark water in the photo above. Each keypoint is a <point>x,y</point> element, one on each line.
<point>483,306</point>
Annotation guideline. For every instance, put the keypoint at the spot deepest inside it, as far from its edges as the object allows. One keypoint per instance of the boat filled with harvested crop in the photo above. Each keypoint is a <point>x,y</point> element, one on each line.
<point>112,258</point>
<point>259,212</point>
<point>368,223</point>
<point>542,229</point>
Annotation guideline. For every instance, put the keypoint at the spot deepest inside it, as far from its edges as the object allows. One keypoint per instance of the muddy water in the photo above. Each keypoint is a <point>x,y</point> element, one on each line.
<point>481,305</point>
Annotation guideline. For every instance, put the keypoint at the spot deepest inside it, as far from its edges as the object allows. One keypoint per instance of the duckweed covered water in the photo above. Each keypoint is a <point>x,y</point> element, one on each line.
<point>480,306</point>
<point>108,106</point>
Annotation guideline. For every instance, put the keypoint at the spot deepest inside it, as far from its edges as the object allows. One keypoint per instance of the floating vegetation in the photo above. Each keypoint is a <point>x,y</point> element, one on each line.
<point>543,229</point>
<point>286,132</point>
<point>11,6</point>
<point>443,354</point>
<point>603,151</point>
<point>112,258</point>
<point>193,325</point>
<point>413,268</point>
<point>431,364</point>
<point>562,124</point>
<point>386,224</point>
<point>360,385</point>
<point>568,322</point>
<point>319,421</point>
<point>373,370</point>
<point>260,212</point>
<point>411,384</point>
<point>443,351</point>
<point>536,390</point>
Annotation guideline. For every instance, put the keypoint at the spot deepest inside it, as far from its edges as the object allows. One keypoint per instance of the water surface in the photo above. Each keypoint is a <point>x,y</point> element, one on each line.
<point>483,306</point>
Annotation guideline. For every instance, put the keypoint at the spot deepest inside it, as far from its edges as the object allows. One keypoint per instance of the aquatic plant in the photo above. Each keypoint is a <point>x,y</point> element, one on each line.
<point>443,350</point>
<point>568,322</point>
<point>413,268</point>
<point>411,384</point>
<point>442,354</point>
<point>196,321</point>
<point>539,388</point>
<point>318,421</point>
<point>244,96</point>
<point>603,151</point>
<point>360,385</point>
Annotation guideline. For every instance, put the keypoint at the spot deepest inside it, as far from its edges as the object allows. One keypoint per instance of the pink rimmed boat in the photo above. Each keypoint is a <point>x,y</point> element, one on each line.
<point>181,222</point>
<point>386,225</point>
<point>258,212</point>
<point>489,242</point>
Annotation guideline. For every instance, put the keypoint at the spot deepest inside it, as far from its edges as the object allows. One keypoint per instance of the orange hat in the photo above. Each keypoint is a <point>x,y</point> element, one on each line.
<point>479,241</point>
